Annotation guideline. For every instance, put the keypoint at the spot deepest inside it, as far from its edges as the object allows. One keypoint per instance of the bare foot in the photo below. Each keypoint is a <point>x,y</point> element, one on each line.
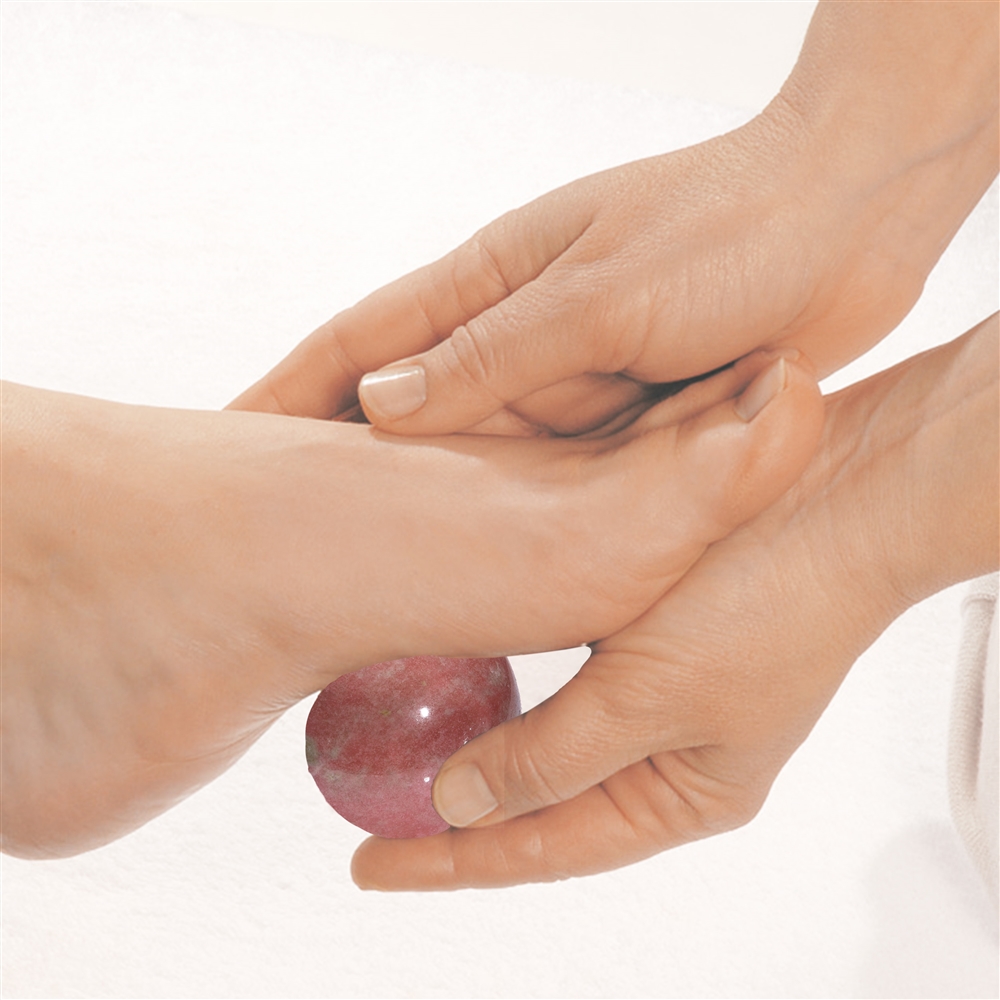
<point>174,580</point>
<point>677,725</point>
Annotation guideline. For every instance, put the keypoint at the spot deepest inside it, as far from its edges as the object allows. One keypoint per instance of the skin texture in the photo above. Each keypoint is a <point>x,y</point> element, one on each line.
<point>814,225</point>
<point>676,727</point>
<point>174,580</point>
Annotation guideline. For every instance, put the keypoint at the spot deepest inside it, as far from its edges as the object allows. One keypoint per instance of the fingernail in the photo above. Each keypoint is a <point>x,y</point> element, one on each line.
<point>792,354</point>
<point>762,390</point>
<point>788,353</point>
<point>394,392</point>
<point>461,795</point>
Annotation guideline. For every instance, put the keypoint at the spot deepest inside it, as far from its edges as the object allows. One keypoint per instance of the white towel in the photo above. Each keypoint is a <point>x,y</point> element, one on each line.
<point>974,750</point>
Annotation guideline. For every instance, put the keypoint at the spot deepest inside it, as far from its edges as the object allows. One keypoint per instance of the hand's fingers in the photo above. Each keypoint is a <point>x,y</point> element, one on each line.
<point>585,732</point>
<point>320,376</point>
<point>556,327</point>
<point>657,803</point>
<point>581,405</point>
<point>727,460</point>
<point>540,354</point>
<point>683,401</point>
<point>722,469</point>
<point>651,744</point>
<point>578,406</point>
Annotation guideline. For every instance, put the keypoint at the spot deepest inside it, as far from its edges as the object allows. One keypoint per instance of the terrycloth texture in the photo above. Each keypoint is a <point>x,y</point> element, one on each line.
<point>974,752</point>
<point>182,201</point>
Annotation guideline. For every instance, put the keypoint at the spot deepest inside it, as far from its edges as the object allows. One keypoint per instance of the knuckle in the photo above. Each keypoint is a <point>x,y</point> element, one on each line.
<point>511,853</point>
<point>340,360</point>
<point>424,315</point>
<point>527,773</point>
<point>477,275</point>
<point>491,266</point>
<point>533,854</point>
<point>473,358</point>
<point>688,803</point>
<point>273,400</point>
<point>720,815</point>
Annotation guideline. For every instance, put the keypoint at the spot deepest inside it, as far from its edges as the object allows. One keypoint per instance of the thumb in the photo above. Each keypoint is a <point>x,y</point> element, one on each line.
<point>723,465</point>
<point>542,334</point>
<point>576,739</point>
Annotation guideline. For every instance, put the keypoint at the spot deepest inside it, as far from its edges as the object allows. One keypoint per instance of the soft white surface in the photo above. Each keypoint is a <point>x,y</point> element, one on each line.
<point>727,51</point>
<point>182,201</point>
<point>974,745</point>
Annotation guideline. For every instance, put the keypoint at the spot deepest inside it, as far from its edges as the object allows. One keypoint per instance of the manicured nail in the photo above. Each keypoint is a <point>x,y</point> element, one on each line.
<point>461,795</point>
<point>394,392</point>
<point>792,354</point>
<point>762,390</point>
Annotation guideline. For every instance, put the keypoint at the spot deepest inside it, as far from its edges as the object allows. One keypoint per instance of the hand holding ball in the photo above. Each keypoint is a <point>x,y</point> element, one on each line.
<point>376,738</point>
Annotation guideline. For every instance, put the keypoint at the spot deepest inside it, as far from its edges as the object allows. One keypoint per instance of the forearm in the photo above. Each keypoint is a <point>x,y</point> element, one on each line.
<point>912,80</point>
<point>952,455</point>
<point>903,98</point>
<point>888,130</point>
<point>920,453</point>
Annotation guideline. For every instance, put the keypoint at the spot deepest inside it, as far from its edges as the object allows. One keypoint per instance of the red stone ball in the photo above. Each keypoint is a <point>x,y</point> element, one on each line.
<point>376,738</point>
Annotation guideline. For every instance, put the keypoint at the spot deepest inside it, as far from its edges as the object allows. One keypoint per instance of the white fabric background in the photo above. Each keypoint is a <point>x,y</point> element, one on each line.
<point>182,201</point>
<point>973,754</point>
<point>725,52</point>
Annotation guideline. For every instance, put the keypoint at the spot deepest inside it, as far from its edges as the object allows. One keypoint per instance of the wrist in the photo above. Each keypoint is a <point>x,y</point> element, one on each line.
<point>893,111</point>
<point>897,82</point>
<point>952,465</point>
<point>910,473</point>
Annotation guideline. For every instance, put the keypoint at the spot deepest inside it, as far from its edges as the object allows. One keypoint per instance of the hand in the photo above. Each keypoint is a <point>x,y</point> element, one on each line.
<point>174,580</point>
<point>815,225</point>
<point>677,726</point>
